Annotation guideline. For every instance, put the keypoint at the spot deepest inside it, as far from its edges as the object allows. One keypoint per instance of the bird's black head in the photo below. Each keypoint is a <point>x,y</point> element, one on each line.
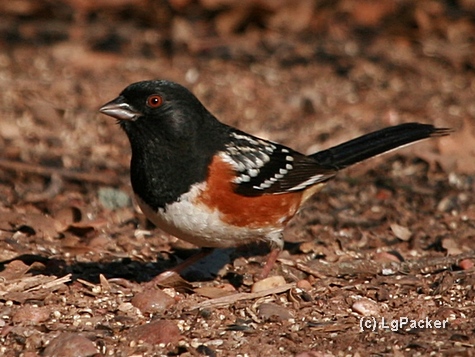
<point>159,110</point>
<point>173,138</point>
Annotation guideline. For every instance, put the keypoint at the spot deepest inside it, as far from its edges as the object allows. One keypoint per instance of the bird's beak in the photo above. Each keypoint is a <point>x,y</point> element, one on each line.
<point>120,109</point>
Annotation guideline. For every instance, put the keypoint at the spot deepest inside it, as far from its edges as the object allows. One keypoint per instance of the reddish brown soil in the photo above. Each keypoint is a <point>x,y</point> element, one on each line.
<point>388,240</point>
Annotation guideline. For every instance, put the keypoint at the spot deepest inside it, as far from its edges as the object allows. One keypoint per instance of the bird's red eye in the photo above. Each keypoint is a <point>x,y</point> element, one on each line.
<point>154,101</point>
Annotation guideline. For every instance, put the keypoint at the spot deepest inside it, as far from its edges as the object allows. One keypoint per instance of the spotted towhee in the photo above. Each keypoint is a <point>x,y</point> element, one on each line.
<point>216,186</point>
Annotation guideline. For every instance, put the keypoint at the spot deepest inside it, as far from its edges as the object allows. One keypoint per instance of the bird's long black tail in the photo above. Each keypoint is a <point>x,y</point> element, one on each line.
<point>375,143</point>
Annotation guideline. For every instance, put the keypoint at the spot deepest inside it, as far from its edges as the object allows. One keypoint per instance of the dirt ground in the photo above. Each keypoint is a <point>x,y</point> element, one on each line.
<point>380,263</point>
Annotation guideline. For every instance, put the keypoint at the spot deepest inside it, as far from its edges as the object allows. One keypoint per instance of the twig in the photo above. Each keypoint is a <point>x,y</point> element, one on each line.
<point>51,284</point>
<point>231,299</point>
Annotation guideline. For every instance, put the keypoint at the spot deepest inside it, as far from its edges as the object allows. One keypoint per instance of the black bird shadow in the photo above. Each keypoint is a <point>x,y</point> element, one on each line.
<point>139,271</point>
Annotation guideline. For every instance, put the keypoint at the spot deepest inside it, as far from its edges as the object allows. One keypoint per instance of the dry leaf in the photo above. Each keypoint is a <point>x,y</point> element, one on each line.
<point>403,233</point>
<point>451,246</point>
<point>14,270</point>
<point>213,292</point>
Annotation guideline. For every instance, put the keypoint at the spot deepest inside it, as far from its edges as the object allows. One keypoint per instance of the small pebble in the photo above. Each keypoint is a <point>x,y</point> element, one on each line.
<point>304,285</point>
<point>365,307</point>
<point>31,315</point>
<point>112,198</point>
<point>155,332</point>
<point>268,283</point>
<point>452,246</point>
<point>152,301</point>
<point>388,271</point>
<point>70,345</point>
<point>466,264</point>
<point>401,232</point>
<point>268,311</point>
<point>447,204</point>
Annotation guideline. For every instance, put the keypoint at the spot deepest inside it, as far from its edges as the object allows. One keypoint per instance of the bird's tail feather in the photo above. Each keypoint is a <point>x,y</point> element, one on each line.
<point>378,142</point>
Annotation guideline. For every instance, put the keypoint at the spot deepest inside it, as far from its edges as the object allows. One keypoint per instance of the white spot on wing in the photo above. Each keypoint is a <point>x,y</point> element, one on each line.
<point>312,180</point>
<point>247,156</point>
<point>244,137</point>
<point>263,185</point>
<point>265,157</point>
<point>253,172</point>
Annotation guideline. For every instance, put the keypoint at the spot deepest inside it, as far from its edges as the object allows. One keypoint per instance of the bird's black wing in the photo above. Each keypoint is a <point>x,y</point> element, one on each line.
<point>264,167</point>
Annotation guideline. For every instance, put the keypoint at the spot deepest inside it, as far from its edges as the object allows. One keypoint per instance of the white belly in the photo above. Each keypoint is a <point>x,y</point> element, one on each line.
<point>197,224</point>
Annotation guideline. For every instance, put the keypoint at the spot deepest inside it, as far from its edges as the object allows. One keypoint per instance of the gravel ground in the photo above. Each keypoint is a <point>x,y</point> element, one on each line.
<point>381,262</point>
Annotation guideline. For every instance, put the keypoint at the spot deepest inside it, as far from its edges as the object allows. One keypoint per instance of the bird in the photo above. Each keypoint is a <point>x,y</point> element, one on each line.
<point>215,186</point>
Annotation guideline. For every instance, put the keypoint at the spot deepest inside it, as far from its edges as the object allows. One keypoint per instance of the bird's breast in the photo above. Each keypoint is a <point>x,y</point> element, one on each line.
<point>211,214</point>
<point>201,225</point>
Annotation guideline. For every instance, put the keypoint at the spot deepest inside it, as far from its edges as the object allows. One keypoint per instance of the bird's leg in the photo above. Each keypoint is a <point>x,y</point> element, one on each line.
<point>162,277</point>
<point>276,241</point>
<point>270,262</point>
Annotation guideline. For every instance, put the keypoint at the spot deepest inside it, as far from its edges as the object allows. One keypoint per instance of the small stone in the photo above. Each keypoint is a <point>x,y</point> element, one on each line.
<point>401,232</point>
<point>388,271</point>
<point>447,204</point>
<point>365,307</point>
<point>466,264</point>
<point>70,345</point>
<point>152,301</point>
<point>155,332</point>
<point>127,307</point>
<point>268,283</point>
<point>31,315</point>
<point>270,311</point>
<point>452,246</point>
<point>304,285</point>
<point>112,198</point>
